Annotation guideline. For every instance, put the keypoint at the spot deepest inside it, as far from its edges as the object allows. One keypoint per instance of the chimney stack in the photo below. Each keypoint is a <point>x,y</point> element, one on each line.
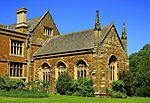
<point>21,20</point>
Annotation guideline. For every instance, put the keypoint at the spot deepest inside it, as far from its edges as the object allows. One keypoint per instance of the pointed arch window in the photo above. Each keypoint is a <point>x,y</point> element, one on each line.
<point>113,68</point>
<point>61,68</point>
<point>45,72</point>
<point>81,67</point>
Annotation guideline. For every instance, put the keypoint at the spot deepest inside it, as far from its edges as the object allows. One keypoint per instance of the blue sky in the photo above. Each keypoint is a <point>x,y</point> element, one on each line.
<point>76,15</point>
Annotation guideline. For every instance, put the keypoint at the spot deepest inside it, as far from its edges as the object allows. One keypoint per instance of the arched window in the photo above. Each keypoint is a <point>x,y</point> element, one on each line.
<point>45,72</point>
<point>113,68</point>
<point>81,68</point>
<point>61,68</point>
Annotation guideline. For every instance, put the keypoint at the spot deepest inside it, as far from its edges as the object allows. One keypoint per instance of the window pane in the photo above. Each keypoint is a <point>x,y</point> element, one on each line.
<point>111,73</point>
<point>84,73</point>
<point>16,69</point>
<point>48,31</point>
<point>16,47</point>
<point>81,74</point>
<point>78,74</point>
<point>14,72</point>
<point>10,71</point>
<point>20,72</point>
<point>43,77</point>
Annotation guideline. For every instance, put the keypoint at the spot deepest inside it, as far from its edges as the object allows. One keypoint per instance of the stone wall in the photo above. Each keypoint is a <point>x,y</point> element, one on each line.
<point>38,38</point>
<point>69,60</point>
<point>111,46</point>
<point>5,57</point>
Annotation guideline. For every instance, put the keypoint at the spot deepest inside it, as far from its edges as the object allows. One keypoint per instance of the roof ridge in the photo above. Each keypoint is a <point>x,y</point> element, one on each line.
<point>34,18</point>
<point>81,31</point>
<point>3,25</point>
<point>27,20</point>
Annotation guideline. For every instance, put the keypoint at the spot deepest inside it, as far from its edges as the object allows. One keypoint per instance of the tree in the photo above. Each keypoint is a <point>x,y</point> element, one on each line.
<point>140,70</point>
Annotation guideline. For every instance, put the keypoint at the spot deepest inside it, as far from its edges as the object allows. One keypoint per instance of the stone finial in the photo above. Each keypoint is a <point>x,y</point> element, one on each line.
<point>97,22</point>
<point>124,36</point>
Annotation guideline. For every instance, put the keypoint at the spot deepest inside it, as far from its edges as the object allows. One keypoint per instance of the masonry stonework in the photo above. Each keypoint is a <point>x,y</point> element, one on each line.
<point>102,52</point>
<point>5,52</point>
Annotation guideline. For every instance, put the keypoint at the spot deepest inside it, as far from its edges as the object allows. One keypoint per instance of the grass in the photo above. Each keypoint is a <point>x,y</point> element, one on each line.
<point>73,99</point>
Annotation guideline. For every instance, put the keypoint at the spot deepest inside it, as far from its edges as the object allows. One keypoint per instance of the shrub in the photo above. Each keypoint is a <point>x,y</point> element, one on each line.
<point>9,84</point>
<point>63,84</point>
<point>22,94</point>
<point>76,93</point>
<point>41,86</point>
<point>118,94</point>
<point>84,87</point>
<point>118,89</point>
<point>118,85</point>
<point>80,87</point>
<point>143,91</point>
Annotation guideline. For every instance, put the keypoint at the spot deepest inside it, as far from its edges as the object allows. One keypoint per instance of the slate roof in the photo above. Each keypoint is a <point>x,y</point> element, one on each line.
<point>3,26</point>
<point>31,23</point>
<point>76,41</point>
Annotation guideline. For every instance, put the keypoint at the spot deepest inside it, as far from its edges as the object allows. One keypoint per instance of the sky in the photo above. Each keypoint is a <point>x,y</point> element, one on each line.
<point>76,15</point>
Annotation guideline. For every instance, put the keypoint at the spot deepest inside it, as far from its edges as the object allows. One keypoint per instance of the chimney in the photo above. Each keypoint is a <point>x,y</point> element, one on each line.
<point>21,20</point>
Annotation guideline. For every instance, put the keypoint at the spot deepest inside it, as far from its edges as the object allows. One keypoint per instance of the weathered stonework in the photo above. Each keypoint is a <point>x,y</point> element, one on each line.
<point>69,60</point>
<point>101,49</point>
<point>6,57</point>
<point>98,60</point>
<point>38,38</point>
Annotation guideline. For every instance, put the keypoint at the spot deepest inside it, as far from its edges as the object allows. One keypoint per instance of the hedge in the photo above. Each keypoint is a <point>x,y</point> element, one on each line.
<point>23,94</point>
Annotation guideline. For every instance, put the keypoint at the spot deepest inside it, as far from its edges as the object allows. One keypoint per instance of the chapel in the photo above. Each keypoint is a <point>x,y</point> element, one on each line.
<point>34,50</point>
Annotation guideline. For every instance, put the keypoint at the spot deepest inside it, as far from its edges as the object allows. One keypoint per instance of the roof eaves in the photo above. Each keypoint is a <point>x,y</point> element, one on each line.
<point>65,52</point>
<point>10,30</point>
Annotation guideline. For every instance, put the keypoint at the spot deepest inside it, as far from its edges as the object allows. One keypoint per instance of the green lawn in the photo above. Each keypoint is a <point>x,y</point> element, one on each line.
<point>72,99</point>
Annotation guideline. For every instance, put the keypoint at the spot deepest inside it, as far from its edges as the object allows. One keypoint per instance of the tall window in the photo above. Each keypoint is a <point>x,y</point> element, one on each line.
<point>61,68</point>
<point>48,31</point>
<point>45,72</point>
<point>16,47</point>
<point>113,68</point>
<point>16,70</point>
<point>81,69</point>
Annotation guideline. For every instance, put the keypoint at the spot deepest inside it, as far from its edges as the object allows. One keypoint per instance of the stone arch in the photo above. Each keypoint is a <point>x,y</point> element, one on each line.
<point>80,69</point>
<point>61,67</point>
<point>45,72</point>
<point>82,61</point>
<point>113,69</point>
<point>45,65</point>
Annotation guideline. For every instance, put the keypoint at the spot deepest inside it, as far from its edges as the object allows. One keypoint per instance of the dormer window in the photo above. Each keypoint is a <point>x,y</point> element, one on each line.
<point>48,31</point>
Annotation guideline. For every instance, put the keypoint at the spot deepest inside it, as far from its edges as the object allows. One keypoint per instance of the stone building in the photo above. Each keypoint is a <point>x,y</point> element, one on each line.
<point>21,40</point>
<point>13,53</point>
<point>97,53</point>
